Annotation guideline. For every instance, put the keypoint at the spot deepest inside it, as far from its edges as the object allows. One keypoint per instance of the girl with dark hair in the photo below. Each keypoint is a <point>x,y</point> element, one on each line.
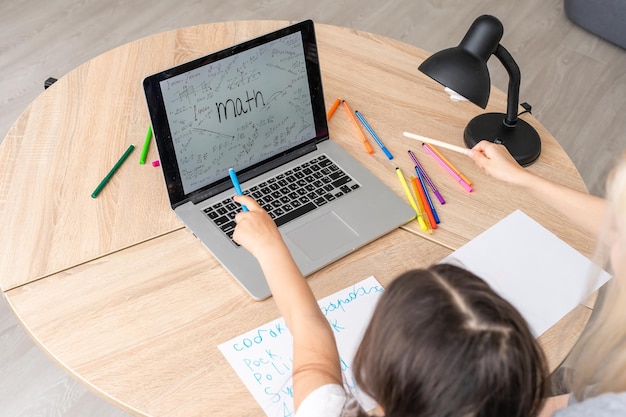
<point>456,348</point>
<point>440,343</point>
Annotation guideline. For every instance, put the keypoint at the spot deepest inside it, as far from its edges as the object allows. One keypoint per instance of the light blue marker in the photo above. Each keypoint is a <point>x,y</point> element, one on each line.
<point>233,178</point>
<point>374,135</point>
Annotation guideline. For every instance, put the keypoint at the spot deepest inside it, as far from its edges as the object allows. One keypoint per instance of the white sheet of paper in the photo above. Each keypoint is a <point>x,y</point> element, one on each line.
<point>263,357</point>
<point>541,275</point>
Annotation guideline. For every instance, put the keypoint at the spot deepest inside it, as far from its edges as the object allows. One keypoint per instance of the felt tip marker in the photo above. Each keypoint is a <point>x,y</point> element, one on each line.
<point>412,202</point>
<point>235,181</point>
<point>447,168</point>
<point>427,178</point>
<point>431,212</point>
<point>421,202</point>
<point>368,146</point>
<point>374,135</point>
<point>146,146</point>
<point>107,178</point>
<point>333,108</point>
<point>445,161</point>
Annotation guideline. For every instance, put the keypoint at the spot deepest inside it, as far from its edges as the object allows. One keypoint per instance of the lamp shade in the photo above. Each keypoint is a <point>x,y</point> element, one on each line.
<point>460,71</point>
<point>464,68</point>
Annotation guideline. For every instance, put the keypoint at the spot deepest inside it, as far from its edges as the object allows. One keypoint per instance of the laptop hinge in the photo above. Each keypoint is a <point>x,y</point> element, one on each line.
<point>252,172</point>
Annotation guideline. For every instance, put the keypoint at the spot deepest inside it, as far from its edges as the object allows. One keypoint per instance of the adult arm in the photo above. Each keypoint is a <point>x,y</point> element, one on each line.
<point>315,356</point>
<point>586,210</point>
<point>552,404</point>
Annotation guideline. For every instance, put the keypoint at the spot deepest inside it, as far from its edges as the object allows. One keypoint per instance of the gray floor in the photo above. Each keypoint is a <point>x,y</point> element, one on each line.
<point>575,81</point>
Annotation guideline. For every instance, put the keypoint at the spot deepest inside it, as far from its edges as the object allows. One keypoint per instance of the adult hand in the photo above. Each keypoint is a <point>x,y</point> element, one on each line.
<point>497,162</point>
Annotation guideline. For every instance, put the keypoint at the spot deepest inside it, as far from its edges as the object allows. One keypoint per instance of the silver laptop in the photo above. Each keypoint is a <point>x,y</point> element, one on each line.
<point>258,107</point>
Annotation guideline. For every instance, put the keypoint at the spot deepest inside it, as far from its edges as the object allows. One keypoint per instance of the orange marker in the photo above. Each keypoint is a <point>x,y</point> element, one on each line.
<point>368,146</point>
<point>420,204</point>
<point>463,177</point>
<point>333,108</point>
<point>419,191</point>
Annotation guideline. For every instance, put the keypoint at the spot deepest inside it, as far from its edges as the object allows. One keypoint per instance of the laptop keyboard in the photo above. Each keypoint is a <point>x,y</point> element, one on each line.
<point>290,194</point>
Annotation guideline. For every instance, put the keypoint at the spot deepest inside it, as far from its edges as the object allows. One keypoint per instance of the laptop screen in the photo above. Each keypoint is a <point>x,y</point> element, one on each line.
<point>236,108</point>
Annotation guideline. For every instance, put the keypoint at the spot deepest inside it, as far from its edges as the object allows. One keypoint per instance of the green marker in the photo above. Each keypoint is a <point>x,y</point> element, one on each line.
<point>146,146</point>
<point>110,174</point>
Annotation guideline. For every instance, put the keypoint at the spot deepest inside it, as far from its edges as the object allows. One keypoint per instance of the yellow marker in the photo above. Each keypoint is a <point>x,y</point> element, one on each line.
<point>405,186</point>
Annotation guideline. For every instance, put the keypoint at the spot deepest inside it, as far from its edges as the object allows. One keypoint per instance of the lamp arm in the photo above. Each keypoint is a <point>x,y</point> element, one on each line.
<point>514,84</point>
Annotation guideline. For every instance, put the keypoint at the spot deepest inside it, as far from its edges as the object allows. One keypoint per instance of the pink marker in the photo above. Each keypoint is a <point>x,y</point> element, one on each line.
<point>443,164</point>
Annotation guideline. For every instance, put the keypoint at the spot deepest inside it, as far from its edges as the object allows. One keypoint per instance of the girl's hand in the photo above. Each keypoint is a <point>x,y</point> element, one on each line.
<point>256,231</point>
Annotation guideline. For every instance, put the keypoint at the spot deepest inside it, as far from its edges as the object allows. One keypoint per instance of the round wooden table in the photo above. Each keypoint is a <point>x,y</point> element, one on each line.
<point>122,296</point>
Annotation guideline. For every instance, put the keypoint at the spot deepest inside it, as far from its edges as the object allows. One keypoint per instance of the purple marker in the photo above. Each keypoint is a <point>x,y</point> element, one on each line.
<point>428,180</point>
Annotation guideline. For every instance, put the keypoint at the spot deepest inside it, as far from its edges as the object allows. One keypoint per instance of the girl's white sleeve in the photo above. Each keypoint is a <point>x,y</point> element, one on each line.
<point>327,400</point>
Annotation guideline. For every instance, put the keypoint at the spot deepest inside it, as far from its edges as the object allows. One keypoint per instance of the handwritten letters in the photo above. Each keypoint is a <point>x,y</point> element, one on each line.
<point>263,357</point>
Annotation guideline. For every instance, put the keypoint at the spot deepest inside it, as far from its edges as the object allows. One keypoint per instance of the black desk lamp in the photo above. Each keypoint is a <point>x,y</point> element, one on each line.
<point>464,70</point>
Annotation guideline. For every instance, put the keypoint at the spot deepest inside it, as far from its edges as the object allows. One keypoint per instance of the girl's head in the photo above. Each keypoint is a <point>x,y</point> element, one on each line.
<point>441,342</point>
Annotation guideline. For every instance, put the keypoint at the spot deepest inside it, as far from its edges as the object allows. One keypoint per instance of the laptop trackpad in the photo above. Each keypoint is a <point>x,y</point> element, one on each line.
<point>322,235</point>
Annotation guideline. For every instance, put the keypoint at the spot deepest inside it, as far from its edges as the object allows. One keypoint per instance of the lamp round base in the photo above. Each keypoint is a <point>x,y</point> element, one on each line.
<point>522,141</point>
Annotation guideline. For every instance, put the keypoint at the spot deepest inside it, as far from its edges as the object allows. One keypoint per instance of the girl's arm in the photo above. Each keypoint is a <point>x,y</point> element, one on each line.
<point>315,356</point>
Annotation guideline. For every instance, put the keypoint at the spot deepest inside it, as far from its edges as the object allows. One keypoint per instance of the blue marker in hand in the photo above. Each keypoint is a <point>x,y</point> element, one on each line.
<point>233,178</point>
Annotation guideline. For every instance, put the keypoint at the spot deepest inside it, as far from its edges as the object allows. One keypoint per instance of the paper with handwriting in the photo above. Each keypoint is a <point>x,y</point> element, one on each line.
<point>263,357</point>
